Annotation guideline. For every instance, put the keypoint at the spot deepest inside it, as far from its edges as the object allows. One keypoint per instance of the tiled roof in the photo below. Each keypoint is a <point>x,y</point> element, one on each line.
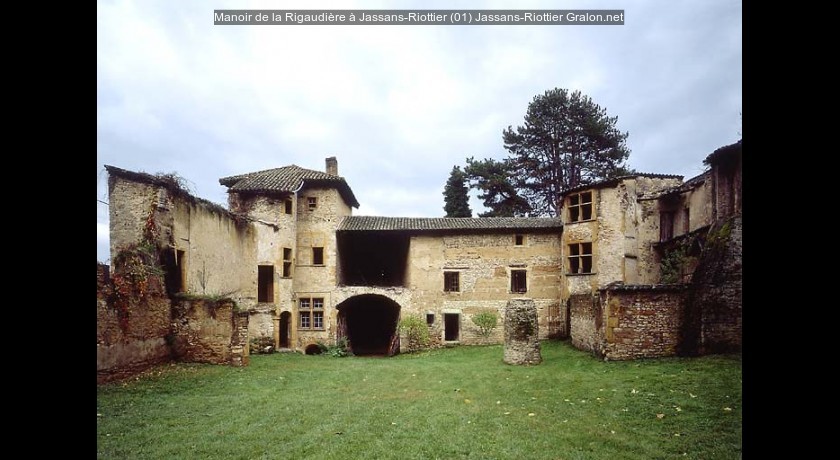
<point>616,180</point>
<point>445,224</point>
<point>287,179</point>
<point>619,286</point>
<point>686,186</point>
<point>723,152</point>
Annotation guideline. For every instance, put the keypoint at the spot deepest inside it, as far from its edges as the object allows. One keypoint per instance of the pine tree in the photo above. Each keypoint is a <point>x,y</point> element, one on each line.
<point>455,198</point>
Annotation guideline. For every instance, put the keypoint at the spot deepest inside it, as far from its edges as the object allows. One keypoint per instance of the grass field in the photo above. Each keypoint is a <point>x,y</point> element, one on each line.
<point>452,403</point>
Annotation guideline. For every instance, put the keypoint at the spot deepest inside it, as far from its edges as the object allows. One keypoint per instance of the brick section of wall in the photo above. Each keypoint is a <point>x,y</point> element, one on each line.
<point>643,322</point>
<point>586,323</point>
<point>206,331</point>
<point>522,344</point>
<point>121,353</point>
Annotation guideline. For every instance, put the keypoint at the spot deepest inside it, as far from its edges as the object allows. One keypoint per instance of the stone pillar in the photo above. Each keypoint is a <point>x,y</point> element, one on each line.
<point>239,346</point>
<point>522,345</point>
<point>276,320</point>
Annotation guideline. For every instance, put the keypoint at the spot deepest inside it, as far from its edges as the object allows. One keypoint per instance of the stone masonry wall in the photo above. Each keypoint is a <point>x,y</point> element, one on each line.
<point>484,263</point>
<point>123,351</point>
<point>587,318</point>
<point>206,331</point>
<point>642,321</point>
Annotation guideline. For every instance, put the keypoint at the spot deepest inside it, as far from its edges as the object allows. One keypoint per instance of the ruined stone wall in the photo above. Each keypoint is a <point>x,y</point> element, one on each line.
<point>316,228</point>
<point>125,347</point>
<point>642,321</point>
<point>484,263</point>
<point>587,319</point>
<point>714,304</point>
<point>205,331</point>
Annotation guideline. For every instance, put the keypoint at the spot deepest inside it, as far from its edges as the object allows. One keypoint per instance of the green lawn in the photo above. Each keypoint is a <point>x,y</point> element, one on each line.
<point>452,403</point>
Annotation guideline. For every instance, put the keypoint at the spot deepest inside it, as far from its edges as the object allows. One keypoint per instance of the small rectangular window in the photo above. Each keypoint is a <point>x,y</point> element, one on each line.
<point>304,319</point>
<point>317,256</point>
<point>519,240</point>
<point>313,202</point>
<point>580,207</point>
<point>580,258</point>
<point>265,283</point>
<point>430,318</point>
<point>518,281</point>
<point>287,262</point>
<point>288,206</point>
<point>666,225</point>
<point>451,281</point>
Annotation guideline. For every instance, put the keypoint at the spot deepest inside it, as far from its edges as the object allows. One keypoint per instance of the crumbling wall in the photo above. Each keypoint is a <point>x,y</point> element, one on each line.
<point>522,344</point>
<point>642,321</point>
<point>714,303</point>
<point>586,324</point>
<point>209,331</point>
<point>133,339</point>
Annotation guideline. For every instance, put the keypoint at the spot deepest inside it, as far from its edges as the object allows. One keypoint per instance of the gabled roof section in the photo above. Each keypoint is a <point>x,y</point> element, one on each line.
<point>616,180</point>
<point>446,224</point>
<point>723,153</point>
<point>287,179</point>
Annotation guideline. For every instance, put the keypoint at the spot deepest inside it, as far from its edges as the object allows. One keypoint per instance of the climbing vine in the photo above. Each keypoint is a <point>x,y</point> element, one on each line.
<point>676,261</point>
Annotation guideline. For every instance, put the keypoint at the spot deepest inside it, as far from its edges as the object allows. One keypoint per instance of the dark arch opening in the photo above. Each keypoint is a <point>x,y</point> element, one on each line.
<point>369,322</point>
<point>312,349</point>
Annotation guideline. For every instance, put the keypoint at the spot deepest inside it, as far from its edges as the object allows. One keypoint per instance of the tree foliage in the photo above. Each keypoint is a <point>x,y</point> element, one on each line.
<point>486,322</point>
<point>492,179</point>
<point>566,140</point>
<point>455,197</point>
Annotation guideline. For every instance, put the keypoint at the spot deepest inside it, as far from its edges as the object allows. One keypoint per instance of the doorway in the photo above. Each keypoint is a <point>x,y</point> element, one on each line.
<point>284,329</point>
<point>451,327</point>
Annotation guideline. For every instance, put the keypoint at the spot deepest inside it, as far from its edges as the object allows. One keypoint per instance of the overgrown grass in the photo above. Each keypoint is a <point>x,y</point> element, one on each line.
<point>451,403</point>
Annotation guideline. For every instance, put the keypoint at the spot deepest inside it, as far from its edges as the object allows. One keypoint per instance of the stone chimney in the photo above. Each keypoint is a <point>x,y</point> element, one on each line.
<point>332,166</point>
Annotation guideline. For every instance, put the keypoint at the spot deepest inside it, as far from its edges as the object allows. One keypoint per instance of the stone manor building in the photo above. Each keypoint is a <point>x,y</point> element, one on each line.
<point>290,252</point>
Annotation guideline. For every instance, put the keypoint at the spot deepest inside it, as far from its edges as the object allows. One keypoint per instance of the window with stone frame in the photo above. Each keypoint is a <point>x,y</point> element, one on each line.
<point>518,281</point>
<point>317,256</point>
<point>287,262</point>
<point>287,205</point>
<point>580,206</point>
<point>311,313</point>
<point>451,281</point>
<point>312,202</point>
<point>519,240</point>
<point>265,283</point>
<point>580,258</point>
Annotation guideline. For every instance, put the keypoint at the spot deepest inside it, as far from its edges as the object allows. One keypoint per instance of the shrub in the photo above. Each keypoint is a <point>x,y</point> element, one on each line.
<point>416,331</point>
<point>261,345</point>
<point>486,322</point>
<point>339,350</point>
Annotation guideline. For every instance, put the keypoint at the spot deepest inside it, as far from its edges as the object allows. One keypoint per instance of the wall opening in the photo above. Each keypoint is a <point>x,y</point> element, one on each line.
<point>519,281</point>
<point>370,324</point>
<point>265,283</point>
<point>372,259</point>
<point>312,349</point>
<point>284,329</point>
<point>452,327</point>
<point>174,270</point>
<point>317,256</point>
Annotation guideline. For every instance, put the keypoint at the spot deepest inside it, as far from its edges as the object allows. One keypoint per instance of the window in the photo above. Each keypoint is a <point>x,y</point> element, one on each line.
<point>666,225</point>
<point>288,205</point>
<point>430,318</point>
<point>311,313</point>
<point>580,207</point>
<point>265,283</point>
<point>287,262</point>
<point>451,281</point>
<point>580,258</point>
<point>518,281</point>
<point>313,202</point>
<point>686,223</point>
<point>519,240</point>
<point>317,256</point>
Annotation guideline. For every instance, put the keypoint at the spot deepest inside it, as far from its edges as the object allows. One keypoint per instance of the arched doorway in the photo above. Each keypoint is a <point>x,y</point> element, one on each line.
<point>369,323</point>
<point>284,329</point>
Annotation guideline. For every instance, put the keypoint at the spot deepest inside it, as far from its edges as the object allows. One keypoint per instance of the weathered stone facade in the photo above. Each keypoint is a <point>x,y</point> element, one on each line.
<point>205,331</point>
<point>305,271</point>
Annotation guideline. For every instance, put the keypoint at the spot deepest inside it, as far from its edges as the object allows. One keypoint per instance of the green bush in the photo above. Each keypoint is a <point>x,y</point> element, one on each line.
<point>486,322</point>
<point>416,331</point>
<point>339,350</point>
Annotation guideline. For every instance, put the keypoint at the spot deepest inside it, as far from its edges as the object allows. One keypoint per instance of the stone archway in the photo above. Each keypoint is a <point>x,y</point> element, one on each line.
<point>369,323</point>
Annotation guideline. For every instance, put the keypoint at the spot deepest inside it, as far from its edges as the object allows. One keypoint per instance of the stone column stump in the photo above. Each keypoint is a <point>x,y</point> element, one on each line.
<point>522,345</point>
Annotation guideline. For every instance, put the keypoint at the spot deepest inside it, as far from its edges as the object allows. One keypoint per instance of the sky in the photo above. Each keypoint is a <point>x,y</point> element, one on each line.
<point>398,105</point>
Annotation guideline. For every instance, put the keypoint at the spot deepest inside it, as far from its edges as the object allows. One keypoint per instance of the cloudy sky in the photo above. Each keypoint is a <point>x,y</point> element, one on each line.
<point>398,105</point>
